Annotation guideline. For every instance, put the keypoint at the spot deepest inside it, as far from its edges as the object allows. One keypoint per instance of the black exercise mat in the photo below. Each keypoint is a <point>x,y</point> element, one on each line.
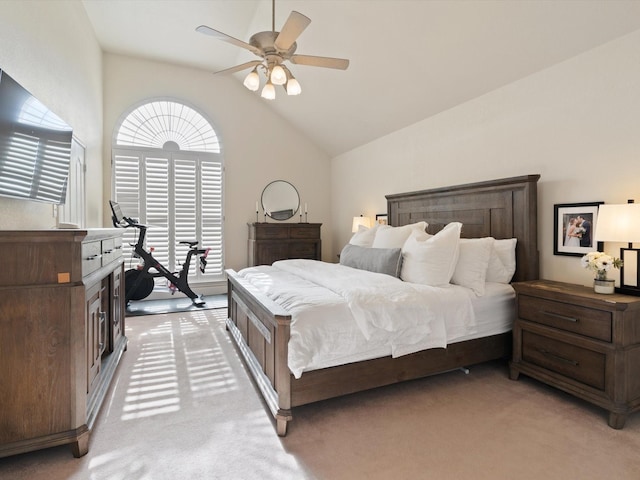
<point>171,305</point>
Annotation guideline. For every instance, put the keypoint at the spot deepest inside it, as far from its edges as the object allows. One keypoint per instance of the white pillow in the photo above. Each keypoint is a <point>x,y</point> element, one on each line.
<point>473,260</point>
<point>431,259</point>
<point>502,264</point>
<point>394,237</point>
<point>364,236</point>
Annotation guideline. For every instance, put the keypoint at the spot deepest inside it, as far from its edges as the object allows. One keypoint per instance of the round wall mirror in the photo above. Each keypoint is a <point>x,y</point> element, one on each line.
<point>280,200</point>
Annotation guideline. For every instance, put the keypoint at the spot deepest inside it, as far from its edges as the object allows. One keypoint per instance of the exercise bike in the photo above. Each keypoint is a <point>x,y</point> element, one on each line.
<point>139,282</point>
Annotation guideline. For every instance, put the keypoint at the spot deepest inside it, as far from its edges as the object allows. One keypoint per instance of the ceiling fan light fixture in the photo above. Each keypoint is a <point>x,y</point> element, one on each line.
<point>293,87</point>
<point>278,75</point>
<point>252,81</point>
<point>275,49</point>
<point>269,91</point>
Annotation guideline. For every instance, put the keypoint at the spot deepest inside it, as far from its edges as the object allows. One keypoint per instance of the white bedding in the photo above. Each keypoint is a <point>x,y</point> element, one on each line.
<point>342,315</point>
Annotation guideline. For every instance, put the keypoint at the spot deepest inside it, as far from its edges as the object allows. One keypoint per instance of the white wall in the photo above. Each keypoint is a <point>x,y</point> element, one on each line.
<point>257,145</point>
<point>576,124</point>
<point>51,50</point>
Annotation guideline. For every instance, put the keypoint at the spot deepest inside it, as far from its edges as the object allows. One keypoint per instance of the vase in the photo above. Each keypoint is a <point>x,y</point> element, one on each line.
<point>604,286</point>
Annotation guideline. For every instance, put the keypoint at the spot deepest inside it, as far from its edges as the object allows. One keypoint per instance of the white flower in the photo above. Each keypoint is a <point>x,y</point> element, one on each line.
<point>600,262</point>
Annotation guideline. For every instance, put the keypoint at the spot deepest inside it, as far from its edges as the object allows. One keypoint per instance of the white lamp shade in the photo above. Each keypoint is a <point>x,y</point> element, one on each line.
<point>278,75</point>
<point>269,91</point>
<point>293,87</point>
<point>618,223</point>
<point>357,221</point>
<point>252,81</point>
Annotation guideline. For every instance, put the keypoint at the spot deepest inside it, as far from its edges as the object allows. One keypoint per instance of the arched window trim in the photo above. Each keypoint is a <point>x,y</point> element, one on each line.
<point>155,127</point>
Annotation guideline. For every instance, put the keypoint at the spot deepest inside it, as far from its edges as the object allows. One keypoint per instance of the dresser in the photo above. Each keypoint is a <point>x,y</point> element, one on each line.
<point>61,334</point>
<point>270,242</point>
<point>581,342</point>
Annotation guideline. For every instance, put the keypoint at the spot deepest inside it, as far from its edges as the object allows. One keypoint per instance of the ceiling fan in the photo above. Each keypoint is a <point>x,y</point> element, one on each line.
<point>275,48</point>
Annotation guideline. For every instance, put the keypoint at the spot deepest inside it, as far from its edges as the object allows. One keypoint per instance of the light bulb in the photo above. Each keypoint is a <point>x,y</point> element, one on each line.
<point>269,91</point>
<point>293,87</point>
<point>252,81</point>
<point>278,75</point>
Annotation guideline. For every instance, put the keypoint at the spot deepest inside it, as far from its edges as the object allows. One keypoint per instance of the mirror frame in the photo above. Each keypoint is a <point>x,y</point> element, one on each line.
<point>283,213</point>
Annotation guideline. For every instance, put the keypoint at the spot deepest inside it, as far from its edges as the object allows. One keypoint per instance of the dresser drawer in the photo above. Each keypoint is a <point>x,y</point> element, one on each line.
<point>272,233</point>
<point>91,257</point>
<point>108,252</point>
<point>580,364</point>
<point>303,250</point>
<point>305,232</point>
<point>571,318</point>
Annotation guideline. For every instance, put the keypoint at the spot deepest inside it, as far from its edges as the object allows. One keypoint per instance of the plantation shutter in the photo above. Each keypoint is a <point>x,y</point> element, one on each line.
<point>179,196</point>
<point>126,182</point>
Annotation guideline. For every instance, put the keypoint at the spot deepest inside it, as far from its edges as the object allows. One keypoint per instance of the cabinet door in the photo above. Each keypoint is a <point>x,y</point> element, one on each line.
<point>94,318</point>
<point>117,309</point>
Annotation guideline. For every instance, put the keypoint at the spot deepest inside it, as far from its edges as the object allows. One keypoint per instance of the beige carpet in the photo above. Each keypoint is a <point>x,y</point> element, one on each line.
<point>182,407</point>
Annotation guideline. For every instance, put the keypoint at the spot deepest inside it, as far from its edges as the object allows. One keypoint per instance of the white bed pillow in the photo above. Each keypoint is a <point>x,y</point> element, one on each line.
<point>364,236</point>
<point>394,237</point>
<point>502,264</point>
<point>473,261</point>
<point>431,259</point>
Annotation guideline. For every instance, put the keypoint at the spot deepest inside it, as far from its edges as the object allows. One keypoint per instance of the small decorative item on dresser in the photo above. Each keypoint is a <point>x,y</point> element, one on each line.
<point>601,263</point>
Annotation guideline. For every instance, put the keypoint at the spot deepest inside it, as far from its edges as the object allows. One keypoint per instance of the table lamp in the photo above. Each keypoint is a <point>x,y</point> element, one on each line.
<point>621,224</point>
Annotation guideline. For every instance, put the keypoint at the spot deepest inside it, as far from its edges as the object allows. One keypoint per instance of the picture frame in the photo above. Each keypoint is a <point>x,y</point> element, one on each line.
<point>574,228</point>
<point>382,219</point>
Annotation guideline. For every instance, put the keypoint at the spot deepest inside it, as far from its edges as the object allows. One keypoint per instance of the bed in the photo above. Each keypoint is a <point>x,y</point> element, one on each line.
<point>261,328</point>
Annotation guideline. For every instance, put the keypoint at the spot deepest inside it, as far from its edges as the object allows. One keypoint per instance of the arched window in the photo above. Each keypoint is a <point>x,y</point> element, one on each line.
<point>167,172</point>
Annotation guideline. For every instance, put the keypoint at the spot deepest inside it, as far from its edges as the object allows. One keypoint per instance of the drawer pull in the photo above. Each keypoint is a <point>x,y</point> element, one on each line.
<point>558,357</point>
<point>561,317</point>
<point>93,257</point>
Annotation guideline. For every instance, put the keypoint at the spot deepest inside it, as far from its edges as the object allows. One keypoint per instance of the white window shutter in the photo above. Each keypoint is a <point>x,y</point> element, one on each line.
<point>178,195</point>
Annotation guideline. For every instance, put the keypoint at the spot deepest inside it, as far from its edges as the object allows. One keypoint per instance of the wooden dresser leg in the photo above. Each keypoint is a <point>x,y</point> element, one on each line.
<point>514,373</point>
<point>81,446</point>
<point>617,420</point>
<point>281,426</point>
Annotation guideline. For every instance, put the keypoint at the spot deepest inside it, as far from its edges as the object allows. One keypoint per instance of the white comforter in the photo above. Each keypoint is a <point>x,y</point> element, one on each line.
<point>339,312</point>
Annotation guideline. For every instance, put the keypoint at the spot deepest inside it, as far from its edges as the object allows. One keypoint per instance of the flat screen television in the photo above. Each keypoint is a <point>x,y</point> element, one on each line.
<point>35,146</point>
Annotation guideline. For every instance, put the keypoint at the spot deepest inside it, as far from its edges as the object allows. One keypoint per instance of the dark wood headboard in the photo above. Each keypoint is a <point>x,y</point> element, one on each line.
<point>505,208</point>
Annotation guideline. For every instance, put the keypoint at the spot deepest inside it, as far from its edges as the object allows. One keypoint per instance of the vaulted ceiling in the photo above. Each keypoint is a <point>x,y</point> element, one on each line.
<point>410,59</point>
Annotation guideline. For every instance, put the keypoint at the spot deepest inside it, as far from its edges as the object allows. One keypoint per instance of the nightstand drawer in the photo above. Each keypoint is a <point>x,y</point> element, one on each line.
<point>564,316</point>
<point>583,365</point>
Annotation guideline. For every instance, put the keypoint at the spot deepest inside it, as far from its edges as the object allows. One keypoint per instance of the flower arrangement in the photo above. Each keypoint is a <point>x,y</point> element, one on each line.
<point>600,263</point>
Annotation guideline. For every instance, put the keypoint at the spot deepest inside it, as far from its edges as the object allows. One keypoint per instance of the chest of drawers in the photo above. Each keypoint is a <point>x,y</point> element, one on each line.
<point>581,342</point>
<point>270,242</point>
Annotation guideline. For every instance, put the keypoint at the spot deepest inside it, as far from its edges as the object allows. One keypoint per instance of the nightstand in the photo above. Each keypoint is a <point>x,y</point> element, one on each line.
<point>581,342</point>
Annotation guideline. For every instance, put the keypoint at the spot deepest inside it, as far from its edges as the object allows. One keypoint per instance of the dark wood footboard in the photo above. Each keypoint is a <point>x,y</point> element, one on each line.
<point>260,330</point>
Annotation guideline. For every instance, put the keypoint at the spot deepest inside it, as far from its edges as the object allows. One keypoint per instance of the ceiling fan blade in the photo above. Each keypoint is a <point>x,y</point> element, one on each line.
<point>226,38</point>
<point>291,30</point>
<point>326,62</point>
<point>238,68</point>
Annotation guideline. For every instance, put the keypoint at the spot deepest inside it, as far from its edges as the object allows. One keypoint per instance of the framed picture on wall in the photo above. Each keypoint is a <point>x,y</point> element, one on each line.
<point>574,228</point>
<point>382,218</point>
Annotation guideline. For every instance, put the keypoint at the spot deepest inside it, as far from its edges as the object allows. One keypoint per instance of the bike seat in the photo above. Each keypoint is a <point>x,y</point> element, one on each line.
<point>191,244</point>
